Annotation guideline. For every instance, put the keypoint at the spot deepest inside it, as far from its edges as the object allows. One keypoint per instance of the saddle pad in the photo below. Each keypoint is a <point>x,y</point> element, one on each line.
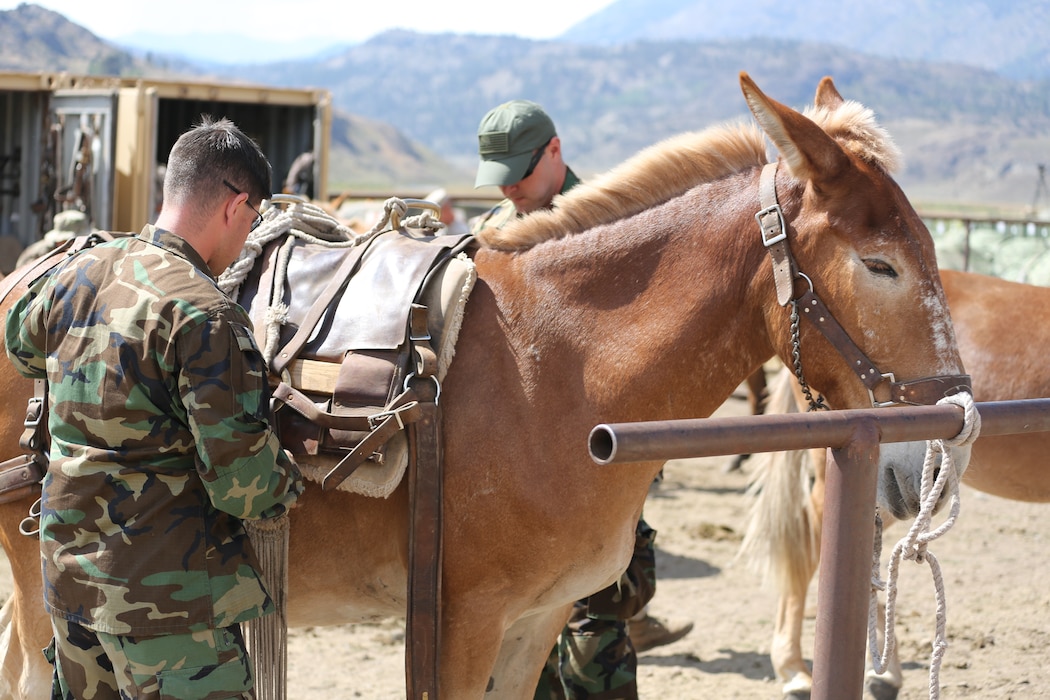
<point>446,299</point>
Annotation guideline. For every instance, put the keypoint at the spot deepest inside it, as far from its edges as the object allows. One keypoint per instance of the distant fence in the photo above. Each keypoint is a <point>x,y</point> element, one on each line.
<point>1016,249</point>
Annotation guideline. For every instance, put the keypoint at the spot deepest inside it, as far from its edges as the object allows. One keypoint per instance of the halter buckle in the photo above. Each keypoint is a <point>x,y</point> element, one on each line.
<point>775,231</point>
<point>871,391</point>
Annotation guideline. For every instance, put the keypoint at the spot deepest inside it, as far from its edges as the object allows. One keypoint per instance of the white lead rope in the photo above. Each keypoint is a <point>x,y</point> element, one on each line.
<point>914,545</point>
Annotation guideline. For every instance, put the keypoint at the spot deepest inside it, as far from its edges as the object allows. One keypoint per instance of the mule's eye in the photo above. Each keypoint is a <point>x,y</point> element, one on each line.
<point>880,267</point>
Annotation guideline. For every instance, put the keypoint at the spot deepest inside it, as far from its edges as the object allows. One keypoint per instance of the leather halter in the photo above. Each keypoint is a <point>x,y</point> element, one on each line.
<point>917,392</point>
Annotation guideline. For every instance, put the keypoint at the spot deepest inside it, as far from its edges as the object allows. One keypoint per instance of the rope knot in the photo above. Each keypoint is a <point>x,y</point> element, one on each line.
<point>917,553</point>
<point>971,420</point>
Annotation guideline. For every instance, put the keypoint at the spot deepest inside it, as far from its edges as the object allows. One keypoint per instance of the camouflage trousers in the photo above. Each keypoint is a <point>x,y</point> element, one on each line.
<point>594,658</point>
<point>89,665</point>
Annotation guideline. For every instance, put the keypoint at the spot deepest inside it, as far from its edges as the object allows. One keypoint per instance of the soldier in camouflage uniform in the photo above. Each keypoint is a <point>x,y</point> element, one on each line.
<point>595,657</point>
<point>160,441</point>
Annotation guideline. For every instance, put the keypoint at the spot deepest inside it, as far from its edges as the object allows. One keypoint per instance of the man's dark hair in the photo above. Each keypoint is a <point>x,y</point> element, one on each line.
<point>212,151</point>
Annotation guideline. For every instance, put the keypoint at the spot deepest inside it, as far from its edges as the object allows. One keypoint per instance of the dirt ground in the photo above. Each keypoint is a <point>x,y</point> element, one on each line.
<point>996,573</point>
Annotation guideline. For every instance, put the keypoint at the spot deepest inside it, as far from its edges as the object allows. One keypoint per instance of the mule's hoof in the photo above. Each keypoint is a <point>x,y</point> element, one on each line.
<point>799,687</point>
<point>878,689</point>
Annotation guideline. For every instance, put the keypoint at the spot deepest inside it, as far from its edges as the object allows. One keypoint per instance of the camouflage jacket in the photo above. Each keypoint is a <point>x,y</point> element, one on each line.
<point>500,215</point>
<point>160,439</point>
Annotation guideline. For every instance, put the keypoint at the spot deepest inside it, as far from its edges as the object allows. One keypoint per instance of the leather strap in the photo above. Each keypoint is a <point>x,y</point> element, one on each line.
<point>338,282</point>
<point>812,308</point>
<point>425,551</point>
<point>929,390</point>
<point>917,392</point>
<point>386,425</point>
<point>20,477</point>
<point>419,337</point>
<point>401,411</point>
<point>289,396</point>
<point>771,223</point>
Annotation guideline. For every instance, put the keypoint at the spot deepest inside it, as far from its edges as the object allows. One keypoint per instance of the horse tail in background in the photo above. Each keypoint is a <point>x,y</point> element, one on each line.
<point>782,539</point>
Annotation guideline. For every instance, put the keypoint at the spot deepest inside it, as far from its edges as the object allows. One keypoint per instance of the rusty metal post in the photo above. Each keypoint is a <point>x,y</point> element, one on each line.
<point>844,586</point>
<point>848,538</point>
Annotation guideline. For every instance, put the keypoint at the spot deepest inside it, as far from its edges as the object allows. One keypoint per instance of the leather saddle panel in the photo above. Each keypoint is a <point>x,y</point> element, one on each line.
<point>372,311</point>
<point>361,332</point>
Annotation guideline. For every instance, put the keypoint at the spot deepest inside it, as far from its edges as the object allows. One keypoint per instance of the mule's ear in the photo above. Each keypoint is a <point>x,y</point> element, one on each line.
<point>809,153</point>
<point>827,96</point>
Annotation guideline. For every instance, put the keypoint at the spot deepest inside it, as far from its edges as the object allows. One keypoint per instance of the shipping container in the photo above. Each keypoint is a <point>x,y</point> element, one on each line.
<point>99,144</point>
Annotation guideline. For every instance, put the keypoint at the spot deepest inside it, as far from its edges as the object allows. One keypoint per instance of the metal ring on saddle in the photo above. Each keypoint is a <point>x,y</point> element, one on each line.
<point>282,198</point>
<point>30,525</point>
<point>437,384</point>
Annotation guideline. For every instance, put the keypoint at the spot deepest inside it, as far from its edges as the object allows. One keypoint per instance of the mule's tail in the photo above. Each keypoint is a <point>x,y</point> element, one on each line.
<point>782,539</point>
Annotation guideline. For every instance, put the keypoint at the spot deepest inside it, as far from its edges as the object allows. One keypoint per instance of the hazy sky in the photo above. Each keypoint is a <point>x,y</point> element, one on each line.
<point>350,20</point>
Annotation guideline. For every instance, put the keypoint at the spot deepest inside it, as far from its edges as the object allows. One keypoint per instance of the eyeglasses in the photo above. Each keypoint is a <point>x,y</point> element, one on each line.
<point>258,214</point>
<point>536,158</point>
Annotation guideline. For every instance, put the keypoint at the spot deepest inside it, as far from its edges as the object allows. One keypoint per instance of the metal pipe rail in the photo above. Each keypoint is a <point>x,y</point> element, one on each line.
<point>853,438</point>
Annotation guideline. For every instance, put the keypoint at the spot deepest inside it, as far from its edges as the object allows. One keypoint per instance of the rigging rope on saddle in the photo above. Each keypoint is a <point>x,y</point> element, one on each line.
<point>914,545</point>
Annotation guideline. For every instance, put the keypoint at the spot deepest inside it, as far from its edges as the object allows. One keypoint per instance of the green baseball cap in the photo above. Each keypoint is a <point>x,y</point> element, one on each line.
<point>507,137</point>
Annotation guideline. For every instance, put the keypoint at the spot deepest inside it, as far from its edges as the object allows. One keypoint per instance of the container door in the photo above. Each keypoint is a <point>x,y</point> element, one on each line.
<point>82,133</point>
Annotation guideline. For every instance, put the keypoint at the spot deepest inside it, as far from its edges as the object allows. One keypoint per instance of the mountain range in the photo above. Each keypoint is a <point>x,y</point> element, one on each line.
<point>1007,36</point>
<point>974,125</point>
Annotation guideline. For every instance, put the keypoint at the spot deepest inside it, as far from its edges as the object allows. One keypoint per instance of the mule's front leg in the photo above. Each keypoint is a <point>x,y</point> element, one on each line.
<point>480,660</point>
<point>25,628</point>
<point>525,649</point>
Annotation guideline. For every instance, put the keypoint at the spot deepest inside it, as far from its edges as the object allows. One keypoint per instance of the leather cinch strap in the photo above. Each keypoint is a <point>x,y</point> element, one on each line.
<point>425,550</point>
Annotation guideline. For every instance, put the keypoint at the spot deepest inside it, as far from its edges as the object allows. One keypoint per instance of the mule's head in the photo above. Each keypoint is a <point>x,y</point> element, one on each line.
<point>856,241</point>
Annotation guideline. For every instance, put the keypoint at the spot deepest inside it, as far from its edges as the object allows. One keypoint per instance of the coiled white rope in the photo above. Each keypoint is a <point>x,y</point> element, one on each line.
<point>914,545</point>
<point>308,221</point>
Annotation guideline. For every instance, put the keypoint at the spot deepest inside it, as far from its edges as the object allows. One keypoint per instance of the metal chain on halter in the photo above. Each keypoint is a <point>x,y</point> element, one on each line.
<point>796,359</point>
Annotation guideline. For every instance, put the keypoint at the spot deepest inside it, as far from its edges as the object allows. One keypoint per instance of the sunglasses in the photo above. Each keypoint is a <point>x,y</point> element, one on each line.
<point>258,214</point>
<point>536,158</point>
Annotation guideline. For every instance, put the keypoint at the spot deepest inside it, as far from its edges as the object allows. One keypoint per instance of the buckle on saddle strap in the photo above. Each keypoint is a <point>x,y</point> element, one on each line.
<point>387,424</point>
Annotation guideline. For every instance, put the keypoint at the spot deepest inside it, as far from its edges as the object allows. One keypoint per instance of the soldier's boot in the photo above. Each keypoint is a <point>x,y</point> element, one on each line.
<point>648,632</point>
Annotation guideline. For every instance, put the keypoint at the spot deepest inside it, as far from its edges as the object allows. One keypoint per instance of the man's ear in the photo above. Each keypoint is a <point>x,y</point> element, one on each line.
<point>230,208</point>
<point>555,146</point>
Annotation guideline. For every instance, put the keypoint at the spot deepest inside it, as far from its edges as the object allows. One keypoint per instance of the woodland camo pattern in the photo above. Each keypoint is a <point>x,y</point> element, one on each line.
<point>156,454</point>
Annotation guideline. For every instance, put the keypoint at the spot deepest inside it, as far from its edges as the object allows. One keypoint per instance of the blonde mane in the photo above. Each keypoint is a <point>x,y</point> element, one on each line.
<point>653,176</point>
<point>669,168</point>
